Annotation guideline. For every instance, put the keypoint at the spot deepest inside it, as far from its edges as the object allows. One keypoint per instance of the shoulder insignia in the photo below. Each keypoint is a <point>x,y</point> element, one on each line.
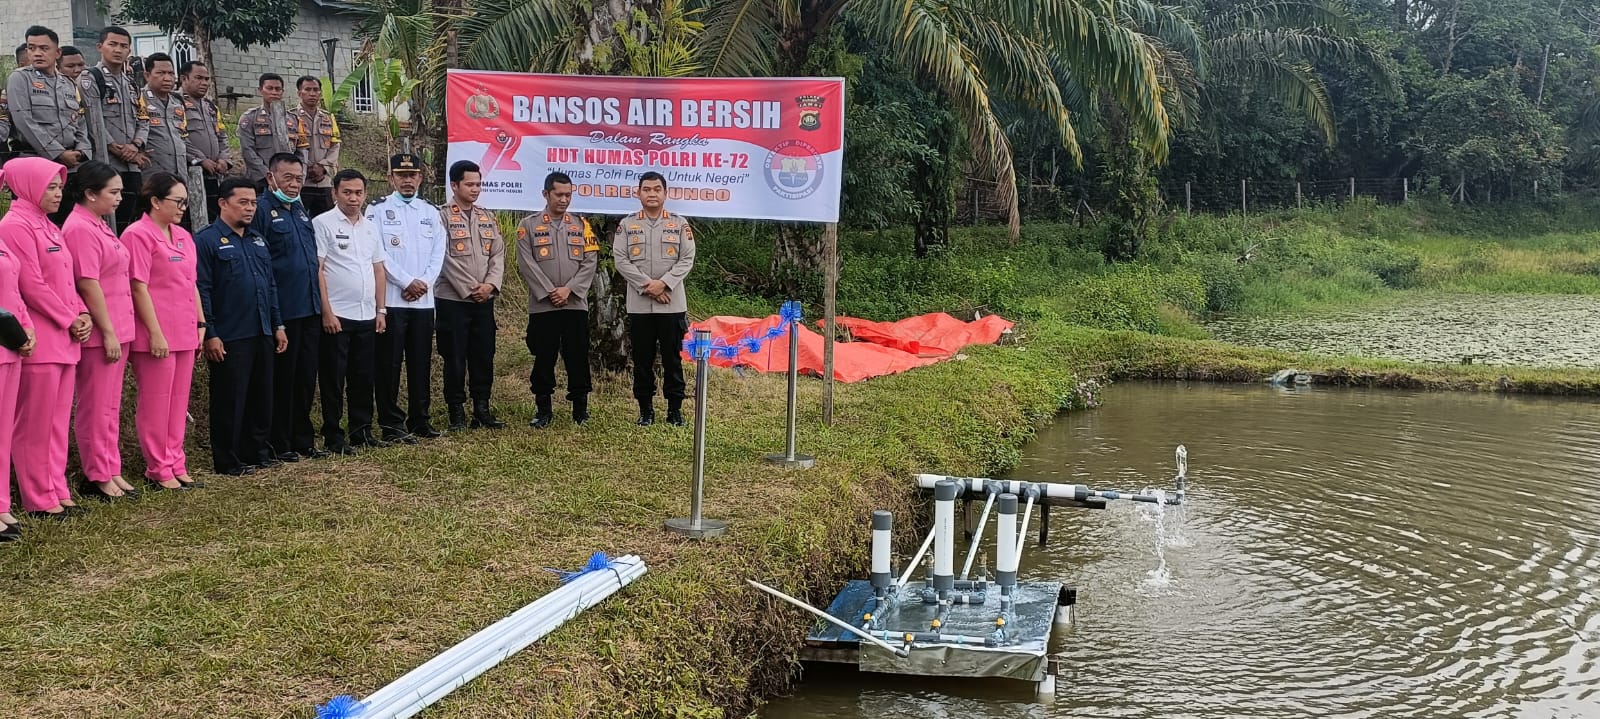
<point>522,233</point>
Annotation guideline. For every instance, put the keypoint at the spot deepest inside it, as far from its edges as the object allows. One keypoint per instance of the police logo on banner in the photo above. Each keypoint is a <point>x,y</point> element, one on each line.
<point>794,169</point>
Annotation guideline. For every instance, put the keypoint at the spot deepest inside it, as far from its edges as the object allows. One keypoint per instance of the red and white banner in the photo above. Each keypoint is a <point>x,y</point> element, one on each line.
<point>750,148</point>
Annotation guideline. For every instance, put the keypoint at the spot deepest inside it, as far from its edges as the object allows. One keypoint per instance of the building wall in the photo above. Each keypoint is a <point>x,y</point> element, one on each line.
<point>299,54</point>
<point>17,15</point>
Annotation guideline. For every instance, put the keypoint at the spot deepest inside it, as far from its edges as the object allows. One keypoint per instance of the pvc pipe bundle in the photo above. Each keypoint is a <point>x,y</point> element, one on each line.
<point>478,653</point>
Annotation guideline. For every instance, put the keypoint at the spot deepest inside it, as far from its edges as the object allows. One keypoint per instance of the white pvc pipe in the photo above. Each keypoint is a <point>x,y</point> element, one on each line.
<point>444,673</point>
<point>1005,541</point>
<point>977,537</point>
<point>915,561</point>
<point>1022,533</point>
<point>944,530</point>
<point>881,541</point>
<point>836,621</point>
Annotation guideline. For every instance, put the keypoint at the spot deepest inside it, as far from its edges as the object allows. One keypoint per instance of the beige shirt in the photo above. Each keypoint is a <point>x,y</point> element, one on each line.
<point>556,252</point>
<point>259,140</point>
<point>475,253</point>
<point>654,249</point>
<point>322,147</point>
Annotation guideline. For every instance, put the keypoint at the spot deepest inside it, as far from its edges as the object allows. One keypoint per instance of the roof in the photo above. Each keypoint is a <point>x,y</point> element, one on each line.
<point>336,4</point>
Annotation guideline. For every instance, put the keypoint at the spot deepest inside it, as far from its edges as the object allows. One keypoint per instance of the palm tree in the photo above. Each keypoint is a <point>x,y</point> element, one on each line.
<point>974,52</point>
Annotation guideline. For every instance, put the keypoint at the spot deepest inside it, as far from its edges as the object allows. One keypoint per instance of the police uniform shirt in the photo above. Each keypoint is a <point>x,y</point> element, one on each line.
<point>237,293</point>
<point>293,244</point>
<point>168,150</point>
<point>258,142</point>
<point>654,249</point>
<point>476,252</point>
<point>208,135</point>
<point>47,112</point>
<point>322,147</point>
<point>348,251</point>
<point>121,110</point>
<point>413,245</point>
<point>5,124</point>
<point>556,252</point>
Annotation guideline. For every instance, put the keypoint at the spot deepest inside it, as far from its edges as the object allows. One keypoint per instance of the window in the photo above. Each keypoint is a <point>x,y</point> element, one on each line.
<point>146,45</point>
<point>361,98</point>
<point>183,50</point>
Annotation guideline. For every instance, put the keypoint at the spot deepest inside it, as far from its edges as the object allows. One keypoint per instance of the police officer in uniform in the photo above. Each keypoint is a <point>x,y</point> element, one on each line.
<point>282,218</point>
<point>167,145</point>
<point>654,252</point>
<point>557,255</point>
<point>322,149</point>
<point>268,130</point>
<point>46,109</point>
<point>243,329</point>
<point>474,267</point>
<point>208,135</point>
<point>117,112</point>
<point>413,242</point>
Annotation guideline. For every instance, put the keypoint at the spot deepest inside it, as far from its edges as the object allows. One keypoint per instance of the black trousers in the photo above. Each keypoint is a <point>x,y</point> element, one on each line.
<point>295,378</point>
<point>128,211</point>
<point>563,332</point>
<point>241,403</point>
<point>408,341</point>
<point>466,347</point>
<point>347,365</point>
<point>318,199</point>
<point>658,334</point>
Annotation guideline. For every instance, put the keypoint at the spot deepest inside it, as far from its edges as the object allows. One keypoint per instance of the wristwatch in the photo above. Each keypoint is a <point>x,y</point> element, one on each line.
<point>383,310</point>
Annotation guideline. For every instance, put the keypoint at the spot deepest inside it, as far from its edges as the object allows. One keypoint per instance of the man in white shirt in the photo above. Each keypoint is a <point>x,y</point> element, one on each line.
<point>414,245</point>
<point>351,275</point>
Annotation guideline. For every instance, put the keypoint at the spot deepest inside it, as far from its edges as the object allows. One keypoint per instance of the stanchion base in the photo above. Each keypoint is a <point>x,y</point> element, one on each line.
<point>800,461</point>
<point>685,526</point>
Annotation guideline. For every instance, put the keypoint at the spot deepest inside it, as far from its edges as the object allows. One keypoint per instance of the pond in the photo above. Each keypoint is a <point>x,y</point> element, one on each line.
<point>1345,553</point>
<point>1534,330</point>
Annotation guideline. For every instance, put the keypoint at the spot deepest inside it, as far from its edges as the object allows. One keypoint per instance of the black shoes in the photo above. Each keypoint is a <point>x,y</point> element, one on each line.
<point>243,470</point>
<point>580,410</point>
<point>482,417</point>
<point>9,533</point>
<point>369,441</point>
<point>646,419</point>
<point>53,516</point>
<point>271,463</point>
<point>458,418</point>
<point>289,457</point>
<point>542,416</point>
<point>342,450</point>
<point>91,490</point>
<point>675,417</point>
<point>426,432</point>
<point>314,453</point>
<point>395,435</point>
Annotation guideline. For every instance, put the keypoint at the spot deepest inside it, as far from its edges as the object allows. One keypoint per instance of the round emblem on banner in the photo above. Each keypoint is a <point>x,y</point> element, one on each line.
<point>794,169</point>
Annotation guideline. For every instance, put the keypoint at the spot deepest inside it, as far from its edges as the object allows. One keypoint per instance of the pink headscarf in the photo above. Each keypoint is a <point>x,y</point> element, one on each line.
<point>28,177</point>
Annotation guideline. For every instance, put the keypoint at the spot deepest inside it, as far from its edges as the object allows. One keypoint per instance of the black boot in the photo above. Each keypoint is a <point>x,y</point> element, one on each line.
<point>543,416</point>
<point>482,417</point>
<point>580,409</point>
<point>675,412</point>
<point>458,417</point>
<point>647,413</point>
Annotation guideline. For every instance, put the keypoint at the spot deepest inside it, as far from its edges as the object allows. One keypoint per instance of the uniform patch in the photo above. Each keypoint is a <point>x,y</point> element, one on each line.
<point>274,213</point>
<point>488,246</point>
<point>388,214</point>
<point>577,253</point>
<point>38,85</point>
<point>522,233</point>
<point>591,248</point>
<point>637,249</point>
<point>224,240</point>
<point>544,252</point>
<point>541,228</point>
<point>672,251</point>
<point>461,233</point>
<point>394,240</point>
<point>461,247</point>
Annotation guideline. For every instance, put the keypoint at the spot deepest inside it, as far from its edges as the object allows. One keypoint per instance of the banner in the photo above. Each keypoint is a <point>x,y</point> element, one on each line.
<point>750,148</point>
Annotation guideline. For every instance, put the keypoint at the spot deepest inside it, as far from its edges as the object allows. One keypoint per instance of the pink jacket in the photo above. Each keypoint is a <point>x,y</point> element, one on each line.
<point>11,298</point>
<point>46,279</point>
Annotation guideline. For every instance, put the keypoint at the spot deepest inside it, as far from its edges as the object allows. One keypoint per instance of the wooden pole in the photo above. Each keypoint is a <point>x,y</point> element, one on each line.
<point>1187,207</point>
<point>830,238</point>
<point>1244,205</point>
<point>1352,188</point>
<point>1405,190</point>
<point>1298,203</point>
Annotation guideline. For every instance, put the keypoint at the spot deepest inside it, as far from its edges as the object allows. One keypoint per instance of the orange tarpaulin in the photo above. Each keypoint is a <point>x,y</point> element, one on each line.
<point>931,335</point>
<point>852,361</point>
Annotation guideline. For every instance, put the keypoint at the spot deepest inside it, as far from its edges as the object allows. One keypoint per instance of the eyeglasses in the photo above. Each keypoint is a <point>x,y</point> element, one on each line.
<point>181,202</point>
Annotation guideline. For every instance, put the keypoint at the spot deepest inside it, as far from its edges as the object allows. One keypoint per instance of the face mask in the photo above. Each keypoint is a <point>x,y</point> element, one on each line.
<point>406,198</point>
<point>285,198</point>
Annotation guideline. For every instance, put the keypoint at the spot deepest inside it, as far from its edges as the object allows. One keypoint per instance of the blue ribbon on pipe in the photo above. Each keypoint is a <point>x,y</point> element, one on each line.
<point>343,706</point>
<point>727,349</point>
<point>599,562</point>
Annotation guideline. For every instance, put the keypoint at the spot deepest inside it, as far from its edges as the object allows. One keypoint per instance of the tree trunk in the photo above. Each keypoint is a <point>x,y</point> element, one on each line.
<point>1454,35</point>
<point>798,259</point>
<point>1402,14</point>
<point>608,319</point>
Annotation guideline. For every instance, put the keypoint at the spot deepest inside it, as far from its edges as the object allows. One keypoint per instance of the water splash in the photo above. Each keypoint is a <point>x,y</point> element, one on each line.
<point>1159,579</point>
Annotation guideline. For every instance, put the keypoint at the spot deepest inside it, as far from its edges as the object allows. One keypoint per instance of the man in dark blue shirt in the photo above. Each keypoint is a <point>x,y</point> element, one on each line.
<point>281,220</point>
<point>243,329</point>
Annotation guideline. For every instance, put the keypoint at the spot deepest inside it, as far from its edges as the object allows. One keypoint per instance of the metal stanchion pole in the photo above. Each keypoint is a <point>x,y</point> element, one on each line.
<point>789,458</point>
<point>694,526</point>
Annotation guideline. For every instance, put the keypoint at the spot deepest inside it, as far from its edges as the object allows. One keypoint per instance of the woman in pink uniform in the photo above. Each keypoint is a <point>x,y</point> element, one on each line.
<point>100,262</point>
<point>10,378</point>
<point>170,327</point>
<point>60,322</point>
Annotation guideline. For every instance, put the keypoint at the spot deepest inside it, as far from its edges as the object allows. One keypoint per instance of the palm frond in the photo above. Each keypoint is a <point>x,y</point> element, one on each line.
<point>516,35</point>
<point>740,37</point>
<point>1169,24</point>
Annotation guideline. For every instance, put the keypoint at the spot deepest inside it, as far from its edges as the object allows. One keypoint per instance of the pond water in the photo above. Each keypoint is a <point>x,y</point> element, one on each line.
<point>1344,554</point>
<point>1538,330</point>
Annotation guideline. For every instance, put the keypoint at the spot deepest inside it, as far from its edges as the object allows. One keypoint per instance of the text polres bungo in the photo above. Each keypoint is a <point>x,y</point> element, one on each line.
<point>648,112</point>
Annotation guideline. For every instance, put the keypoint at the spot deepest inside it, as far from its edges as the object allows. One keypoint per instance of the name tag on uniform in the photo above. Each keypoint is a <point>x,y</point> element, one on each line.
<point>175,258</point>
<point>53,249</point>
